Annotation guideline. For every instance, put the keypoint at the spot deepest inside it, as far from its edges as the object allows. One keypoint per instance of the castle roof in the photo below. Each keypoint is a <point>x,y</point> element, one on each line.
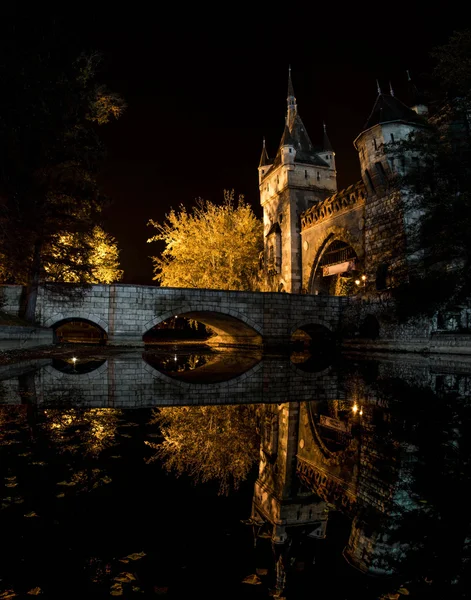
<point>388,108</point>
<point>298,137</point>
<point>264,160</point>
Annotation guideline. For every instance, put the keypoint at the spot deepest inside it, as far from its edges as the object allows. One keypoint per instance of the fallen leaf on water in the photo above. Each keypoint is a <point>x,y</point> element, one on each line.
<point>62,495</point>
<point>403,591</point>
<point>106,479</point>
<point>19,500</point>
<point>116,590</point>
<point>41,464</point>
<point>31,514</point>
<point>25,454</point>
<point>126,435</point>
<point>69,483</point>
<point>252,579</point>
<point>11,484</point>
<point>115,456</point>
<point>11,478</point>
<point>125,577</point>
<point>7,594</point>
<point>135,588</point>
<point>124,560</point>
<point>35,591</point>
<point>136,555</point>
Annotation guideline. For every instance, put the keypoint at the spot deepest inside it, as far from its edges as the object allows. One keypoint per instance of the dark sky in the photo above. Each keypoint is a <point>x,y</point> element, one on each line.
<point>203,89</point>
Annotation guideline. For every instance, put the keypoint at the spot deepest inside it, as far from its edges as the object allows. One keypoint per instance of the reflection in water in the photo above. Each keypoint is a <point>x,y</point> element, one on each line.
<point>298,481</point>
<point>209,442</point>
<point>207,367</point>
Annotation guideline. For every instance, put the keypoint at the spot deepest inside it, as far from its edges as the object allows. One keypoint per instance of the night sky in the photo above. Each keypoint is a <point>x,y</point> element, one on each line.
<point>204,88</point>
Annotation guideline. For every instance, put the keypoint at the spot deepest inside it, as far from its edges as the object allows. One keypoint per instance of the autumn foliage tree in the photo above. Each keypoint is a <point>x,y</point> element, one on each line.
<point>102,259</point>
<point>50,154</point>
<point>212,246</point>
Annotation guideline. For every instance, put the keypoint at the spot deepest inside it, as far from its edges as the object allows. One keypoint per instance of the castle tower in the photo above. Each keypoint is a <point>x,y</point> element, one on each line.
<point>386,207</point>
<point>299,176</point>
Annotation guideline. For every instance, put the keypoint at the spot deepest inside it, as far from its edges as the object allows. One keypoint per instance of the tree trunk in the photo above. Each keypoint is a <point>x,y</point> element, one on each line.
<point>33,285</point>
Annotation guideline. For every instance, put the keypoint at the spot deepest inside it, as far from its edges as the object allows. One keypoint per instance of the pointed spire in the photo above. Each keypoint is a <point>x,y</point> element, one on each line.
<point>378,88</point>
<point>391,91</point>
<point>292,108</point>
<point>264,160</point>
<point>290,83</point>
<point>326,144</point>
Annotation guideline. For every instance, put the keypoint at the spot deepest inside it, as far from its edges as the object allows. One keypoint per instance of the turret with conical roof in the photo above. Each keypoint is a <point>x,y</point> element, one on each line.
<point>390,121</point>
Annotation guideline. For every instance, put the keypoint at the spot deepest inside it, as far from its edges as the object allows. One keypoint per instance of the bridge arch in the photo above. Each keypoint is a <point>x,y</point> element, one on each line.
<point>353,249</point>
<point>58,319</point>
<point>229,325</point>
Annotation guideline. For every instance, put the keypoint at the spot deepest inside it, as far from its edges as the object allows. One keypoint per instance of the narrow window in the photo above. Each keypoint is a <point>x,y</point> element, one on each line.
<point>392,162</point>
<point>392,137</point>
<point>290,150</point>
<point>305,174</point>
<point>370,181</point>
<point>374,143</point>
<point>318,176</point>
<point>381,172</point>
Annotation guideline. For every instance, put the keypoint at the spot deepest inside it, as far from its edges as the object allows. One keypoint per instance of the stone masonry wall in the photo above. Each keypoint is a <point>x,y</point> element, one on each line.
<point>126,312</point>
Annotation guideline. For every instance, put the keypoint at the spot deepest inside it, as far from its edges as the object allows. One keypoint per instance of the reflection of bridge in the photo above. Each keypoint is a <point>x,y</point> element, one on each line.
<point>126,312</point>
<point>127,381</point>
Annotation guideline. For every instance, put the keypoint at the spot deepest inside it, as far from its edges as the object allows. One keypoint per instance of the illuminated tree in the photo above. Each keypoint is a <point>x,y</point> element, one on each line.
<point>103,258</point>
<point>219,443</point>
<point>50,152</point>
<point>213,246</point>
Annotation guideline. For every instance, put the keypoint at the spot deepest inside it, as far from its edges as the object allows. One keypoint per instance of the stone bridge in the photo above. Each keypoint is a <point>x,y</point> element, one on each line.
<point>126,312</point>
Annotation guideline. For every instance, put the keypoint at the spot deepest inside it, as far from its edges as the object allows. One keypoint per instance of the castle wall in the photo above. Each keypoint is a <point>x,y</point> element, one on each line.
<point>340,217</point>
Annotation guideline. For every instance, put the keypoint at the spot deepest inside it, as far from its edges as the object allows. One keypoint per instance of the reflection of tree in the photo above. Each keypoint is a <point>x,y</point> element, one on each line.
<point>90,430</point>
<point>209,442</point>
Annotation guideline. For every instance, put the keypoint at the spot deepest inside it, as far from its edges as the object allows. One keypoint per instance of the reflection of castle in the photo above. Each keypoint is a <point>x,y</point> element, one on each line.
<point>320,455</point>
<point>316,236</point>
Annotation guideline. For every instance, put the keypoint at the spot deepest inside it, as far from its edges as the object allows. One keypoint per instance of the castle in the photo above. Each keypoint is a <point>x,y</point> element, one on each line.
<point>318,240</point>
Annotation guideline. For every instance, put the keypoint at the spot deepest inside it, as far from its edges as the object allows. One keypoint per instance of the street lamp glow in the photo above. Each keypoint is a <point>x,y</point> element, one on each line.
<point>357,281</point>
<point>355,408</point>
<point>74,360</point>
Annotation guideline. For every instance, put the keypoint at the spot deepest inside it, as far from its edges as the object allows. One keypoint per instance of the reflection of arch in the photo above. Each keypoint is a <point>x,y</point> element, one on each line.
<point>78,315</point>
<point>219,368</point>
<point>211,388</point>
<point>333,234</point>
<point>329,457</point>
<point>228,324</point>
<point>75,377</point>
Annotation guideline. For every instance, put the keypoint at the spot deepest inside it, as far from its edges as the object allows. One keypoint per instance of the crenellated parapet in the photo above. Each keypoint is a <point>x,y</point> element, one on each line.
<point>351,197</point>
